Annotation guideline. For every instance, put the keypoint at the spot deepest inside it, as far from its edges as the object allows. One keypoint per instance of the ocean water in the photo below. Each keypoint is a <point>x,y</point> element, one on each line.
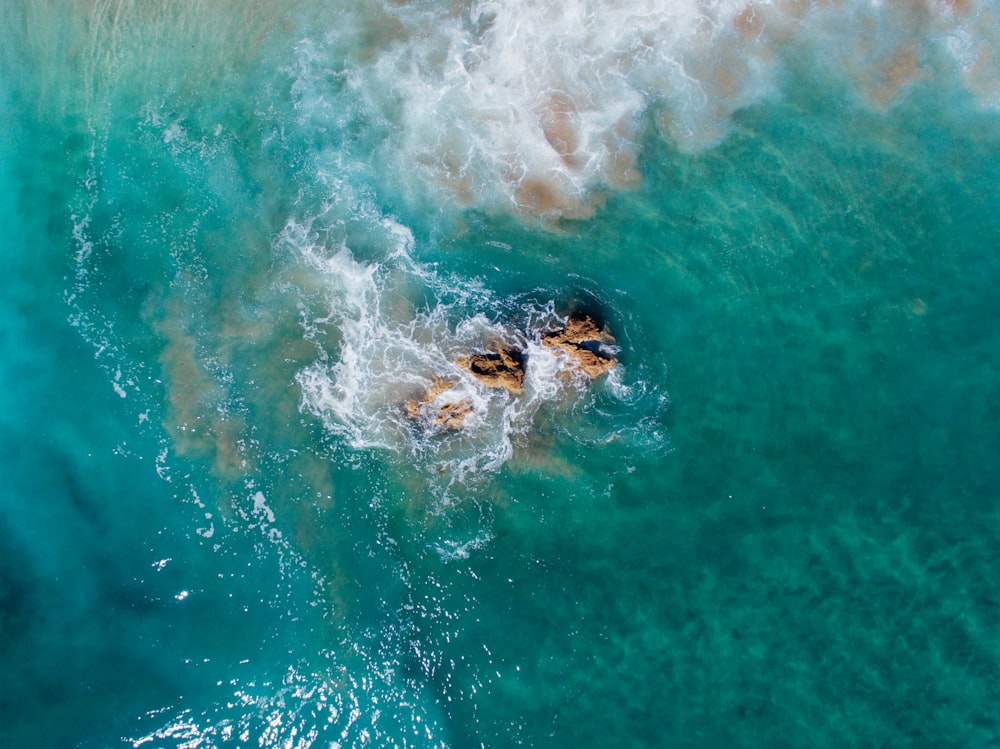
<point>239,236</point>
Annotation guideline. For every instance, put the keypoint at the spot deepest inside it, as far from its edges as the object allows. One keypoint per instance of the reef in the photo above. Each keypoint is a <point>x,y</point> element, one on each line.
<point>586,348</point>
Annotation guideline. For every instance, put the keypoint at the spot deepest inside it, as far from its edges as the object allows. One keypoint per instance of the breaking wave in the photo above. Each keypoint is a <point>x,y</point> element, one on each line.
<point>536,108</point>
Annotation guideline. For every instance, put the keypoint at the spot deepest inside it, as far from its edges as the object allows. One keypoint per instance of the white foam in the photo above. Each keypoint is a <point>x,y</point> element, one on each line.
<point>536,107</point>
<point>306,709</point>
<point>451,551</point>
<point>261,508</point>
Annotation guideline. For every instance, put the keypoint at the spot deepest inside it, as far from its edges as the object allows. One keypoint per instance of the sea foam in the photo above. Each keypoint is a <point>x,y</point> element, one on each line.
<point>538,108</point>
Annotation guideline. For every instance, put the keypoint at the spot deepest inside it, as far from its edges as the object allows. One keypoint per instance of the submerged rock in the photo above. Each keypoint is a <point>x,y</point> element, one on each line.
<point>503,368</point>
<point>585,344</point>
<point>445,414</point>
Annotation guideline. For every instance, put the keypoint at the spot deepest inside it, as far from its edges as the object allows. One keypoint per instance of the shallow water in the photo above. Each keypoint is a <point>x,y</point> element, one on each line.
<point>239,237</point>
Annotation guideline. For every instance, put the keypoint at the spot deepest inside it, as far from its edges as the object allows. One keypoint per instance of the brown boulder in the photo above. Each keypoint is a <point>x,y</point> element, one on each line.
<point>452,415</point>
<point>502,368</point>
<point>583,342</point>
<point>448,415</point>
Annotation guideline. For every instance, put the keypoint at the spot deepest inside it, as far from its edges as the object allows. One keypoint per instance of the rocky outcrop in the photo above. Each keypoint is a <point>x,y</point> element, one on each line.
<point>585,344</point>
<point>503,368</point>
<point>435,410</point>
<point>588,349</point>
<point>452,415</point>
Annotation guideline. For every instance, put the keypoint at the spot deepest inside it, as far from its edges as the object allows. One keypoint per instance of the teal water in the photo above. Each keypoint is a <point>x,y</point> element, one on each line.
<point>238,237</point>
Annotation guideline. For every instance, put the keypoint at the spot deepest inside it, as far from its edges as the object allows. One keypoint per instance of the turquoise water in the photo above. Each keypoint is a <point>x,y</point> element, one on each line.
<point>238,237</point>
